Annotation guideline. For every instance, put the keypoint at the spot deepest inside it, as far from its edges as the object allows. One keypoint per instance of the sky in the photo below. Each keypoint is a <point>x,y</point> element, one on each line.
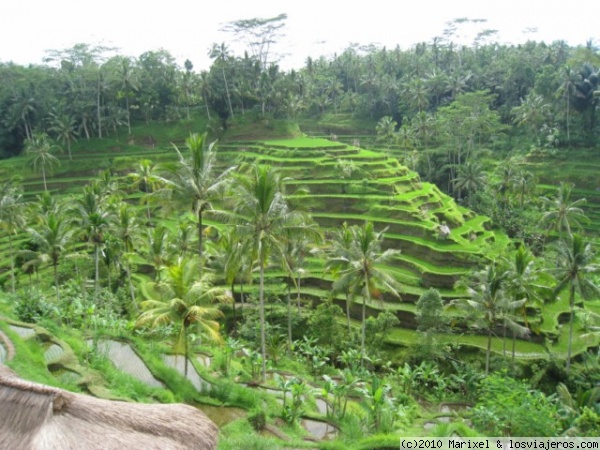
<point>188,28</point>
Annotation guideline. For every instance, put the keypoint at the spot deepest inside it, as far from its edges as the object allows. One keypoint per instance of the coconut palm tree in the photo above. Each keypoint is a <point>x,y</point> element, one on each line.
<point>194,180</point>
<point>230,258</point>
<point>126,228</point>
<point>340,245</point>
<point>93,221</point>
<point>364,273</point>
<point>470,177</point>
<point>64,128</point>
<point>522,282</point>
<point>220,53</point>
<point>264,219</point>
<point>157,250</point>
<point>575,269</point>
<point>487,303</point>
<point>12,218</point>
<point>147,179</point>
<point>562,214</point>
<point>184,301</point>
<point>39,154</point>
<point>53,235</point>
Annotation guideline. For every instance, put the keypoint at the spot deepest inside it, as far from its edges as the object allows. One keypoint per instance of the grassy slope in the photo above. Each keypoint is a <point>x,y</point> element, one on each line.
<point>383,191</point>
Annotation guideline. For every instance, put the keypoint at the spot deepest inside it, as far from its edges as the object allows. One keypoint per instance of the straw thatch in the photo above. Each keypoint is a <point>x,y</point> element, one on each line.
<point>38,417</point>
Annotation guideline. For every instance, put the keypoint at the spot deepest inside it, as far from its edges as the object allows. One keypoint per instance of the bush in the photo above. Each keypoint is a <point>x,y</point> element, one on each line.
<point>508,407</point>
<point>258,419</point>
<point>32,306</point>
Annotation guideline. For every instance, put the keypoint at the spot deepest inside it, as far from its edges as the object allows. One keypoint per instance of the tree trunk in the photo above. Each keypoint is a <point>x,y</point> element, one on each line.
<point>289,315</point>
<point>234,331</point>
<point>489,349</point>
<point>56,280</point>
<point>98,114</point>
<point>44,177</point>
<point>298,291</point>
<point>207,110</point>
<point>227,92</point>
<point>366,297</point>
<point>96,273</point>
<point>263,347</point>
<point>12,263</point>
<point>131,288</point>
<point>128,114</point>
<point>572,307</point>
<point>348,313</point>
<point>185,351</point>
<point>200,237</point>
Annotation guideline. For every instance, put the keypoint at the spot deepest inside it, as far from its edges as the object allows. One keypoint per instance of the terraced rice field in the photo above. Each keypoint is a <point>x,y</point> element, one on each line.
<point>126,360</point>
<point>378,189</point>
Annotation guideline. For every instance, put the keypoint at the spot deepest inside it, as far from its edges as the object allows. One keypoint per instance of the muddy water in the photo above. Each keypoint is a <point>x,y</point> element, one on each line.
<point>221,415</point>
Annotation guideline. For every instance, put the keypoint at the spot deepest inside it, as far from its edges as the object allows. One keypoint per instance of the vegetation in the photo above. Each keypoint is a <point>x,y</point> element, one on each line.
<point>365,273</point>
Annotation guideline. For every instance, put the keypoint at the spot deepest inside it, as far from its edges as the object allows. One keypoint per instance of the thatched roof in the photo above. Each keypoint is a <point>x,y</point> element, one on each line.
<point>38,417</point>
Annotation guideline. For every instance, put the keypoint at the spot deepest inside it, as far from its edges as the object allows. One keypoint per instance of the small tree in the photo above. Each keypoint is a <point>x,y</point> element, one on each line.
<point>430,315</point>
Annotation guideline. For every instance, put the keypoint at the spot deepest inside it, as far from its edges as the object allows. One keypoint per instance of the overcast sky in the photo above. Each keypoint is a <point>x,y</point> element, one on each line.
<point>187,28</point>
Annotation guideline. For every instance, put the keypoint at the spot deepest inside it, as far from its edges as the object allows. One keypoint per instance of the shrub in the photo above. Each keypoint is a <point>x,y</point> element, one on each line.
<point>258,419</point>
<point>32,306</point>
<point>508,407</point>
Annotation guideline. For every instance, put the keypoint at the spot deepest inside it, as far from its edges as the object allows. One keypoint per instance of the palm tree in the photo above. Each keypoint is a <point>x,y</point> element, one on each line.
<point>340,245</point>
<point>365,271</point>
<point>264,218</point>
<point>39,152</point>
<point>567,91</point>
<point>194,180</point>
<point>487,303</point>
<point>52,238</point>
<point>220,53</point>
<point>129,83</point>
<point>183,301</point>
<point>12,218</point>
<point>386,130</point>
<point>522,282</point>
<point>157,250</point>
<point>146,178</point>
<point>127,229</point>
<point>524,184</point>
<point>64,128</point>
<point>93,221</point>
<point>575,268</point>
<point>563,214</point>
<point>230,257</point>
<point>205,90</point>
<point>470,177</point>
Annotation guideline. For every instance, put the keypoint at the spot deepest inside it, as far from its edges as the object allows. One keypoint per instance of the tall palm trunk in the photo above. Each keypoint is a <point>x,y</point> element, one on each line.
<point>185,351</point>
<point>488,351</point>
<point>366,297</point>
<point>289,314</point>
<point>234,331</point>
<point>12,263</point>
<point>263,346</point>
<point>96,272</point>
<point>55,264</point>
<point>348,313</point>
<point>200,244</point>
<point>44,176</point>
<point>227,92</point>
<point>131,288</point>
<point>572,307</point>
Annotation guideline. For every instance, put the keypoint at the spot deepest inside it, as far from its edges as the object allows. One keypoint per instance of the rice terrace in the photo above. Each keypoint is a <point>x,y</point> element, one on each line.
<point>382,243</point>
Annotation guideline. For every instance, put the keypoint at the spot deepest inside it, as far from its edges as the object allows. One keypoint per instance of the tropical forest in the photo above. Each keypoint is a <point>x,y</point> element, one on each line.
<point>385,242</point>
